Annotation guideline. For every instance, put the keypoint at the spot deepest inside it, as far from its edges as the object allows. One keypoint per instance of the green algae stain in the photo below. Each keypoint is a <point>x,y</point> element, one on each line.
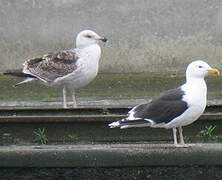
<point>106,86</point>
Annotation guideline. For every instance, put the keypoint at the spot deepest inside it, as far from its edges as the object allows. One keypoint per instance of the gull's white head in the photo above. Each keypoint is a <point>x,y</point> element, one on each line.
<point>199,69</point>
<point>88,37</point>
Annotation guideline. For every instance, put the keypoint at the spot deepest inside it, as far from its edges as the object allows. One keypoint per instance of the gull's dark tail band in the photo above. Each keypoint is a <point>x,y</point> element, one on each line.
<point>16,72</point>
<point>19,73</point>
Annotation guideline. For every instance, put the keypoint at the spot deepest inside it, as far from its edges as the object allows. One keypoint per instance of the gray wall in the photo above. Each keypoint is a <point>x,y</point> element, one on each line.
<point>144,35</point>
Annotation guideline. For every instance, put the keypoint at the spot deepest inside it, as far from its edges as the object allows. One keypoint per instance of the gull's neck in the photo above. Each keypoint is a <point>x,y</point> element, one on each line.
<point>195,80</point>
<point>81,45</point>
<point>195,92</point>
<point>196,88</point>
<point>90,53</point>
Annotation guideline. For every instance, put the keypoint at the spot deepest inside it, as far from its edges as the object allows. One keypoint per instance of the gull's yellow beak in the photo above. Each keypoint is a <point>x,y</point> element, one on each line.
<point>214,71</point>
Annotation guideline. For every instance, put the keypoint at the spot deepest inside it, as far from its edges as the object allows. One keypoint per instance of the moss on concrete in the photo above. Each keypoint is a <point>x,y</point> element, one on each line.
<point>99,132</point>
<point>105,86</point>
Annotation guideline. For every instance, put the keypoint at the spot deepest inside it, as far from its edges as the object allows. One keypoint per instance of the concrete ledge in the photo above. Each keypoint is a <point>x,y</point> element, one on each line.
<point>87,102</point>
<point>110,155</point>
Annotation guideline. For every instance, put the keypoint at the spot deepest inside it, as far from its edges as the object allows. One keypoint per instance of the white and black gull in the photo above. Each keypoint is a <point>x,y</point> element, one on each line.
<point>70,69</point>
<point>174,108</point>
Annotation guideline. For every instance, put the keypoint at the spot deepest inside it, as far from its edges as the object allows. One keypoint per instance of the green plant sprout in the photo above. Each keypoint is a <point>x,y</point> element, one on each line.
<point>105,111</point>
<point>73,137</point>
<point>186,139</point>
<point>40,136</point>
<point>208,132</point>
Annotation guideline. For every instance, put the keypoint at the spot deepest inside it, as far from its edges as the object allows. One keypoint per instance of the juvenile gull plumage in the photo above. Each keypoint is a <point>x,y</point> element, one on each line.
<point>71,69</point>
<point>174,108</point>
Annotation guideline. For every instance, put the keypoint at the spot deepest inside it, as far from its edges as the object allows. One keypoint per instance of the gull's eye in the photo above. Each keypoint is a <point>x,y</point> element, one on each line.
<point>200,66</point>
<point>88,36</point>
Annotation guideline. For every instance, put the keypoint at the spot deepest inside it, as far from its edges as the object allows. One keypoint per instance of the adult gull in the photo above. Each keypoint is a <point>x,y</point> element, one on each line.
<point>174,108</point>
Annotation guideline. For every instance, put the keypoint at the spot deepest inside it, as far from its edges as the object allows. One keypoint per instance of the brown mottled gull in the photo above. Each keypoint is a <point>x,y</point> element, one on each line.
<point>70,69</point>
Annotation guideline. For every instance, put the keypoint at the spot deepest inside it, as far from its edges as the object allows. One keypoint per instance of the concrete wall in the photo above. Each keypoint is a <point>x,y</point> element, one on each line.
<point>144,35</point>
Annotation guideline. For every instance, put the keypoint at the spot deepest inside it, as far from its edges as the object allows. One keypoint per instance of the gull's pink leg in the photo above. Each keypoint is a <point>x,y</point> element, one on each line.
<point>74,98</point>
<point>175,136</point>
<point>64,97</point>
<point>181,136</point>
<point>182,144</point>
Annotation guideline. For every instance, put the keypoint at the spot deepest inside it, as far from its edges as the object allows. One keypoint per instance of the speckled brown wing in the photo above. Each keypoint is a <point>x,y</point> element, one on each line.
<point>51,66</point>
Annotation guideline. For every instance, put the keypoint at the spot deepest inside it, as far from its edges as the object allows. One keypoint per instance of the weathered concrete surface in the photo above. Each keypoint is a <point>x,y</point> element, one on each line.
<point>97,131</point>
<point>160,35</point>
<point>110,155</point>
<point>106,89</point>
<point>87,102</point>
<point>122,173</point>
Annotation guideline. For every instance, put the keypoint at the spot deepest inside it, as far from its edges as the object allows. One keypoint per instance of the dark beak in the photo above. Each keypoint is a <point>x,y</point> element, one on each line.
<point>103,39</point>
